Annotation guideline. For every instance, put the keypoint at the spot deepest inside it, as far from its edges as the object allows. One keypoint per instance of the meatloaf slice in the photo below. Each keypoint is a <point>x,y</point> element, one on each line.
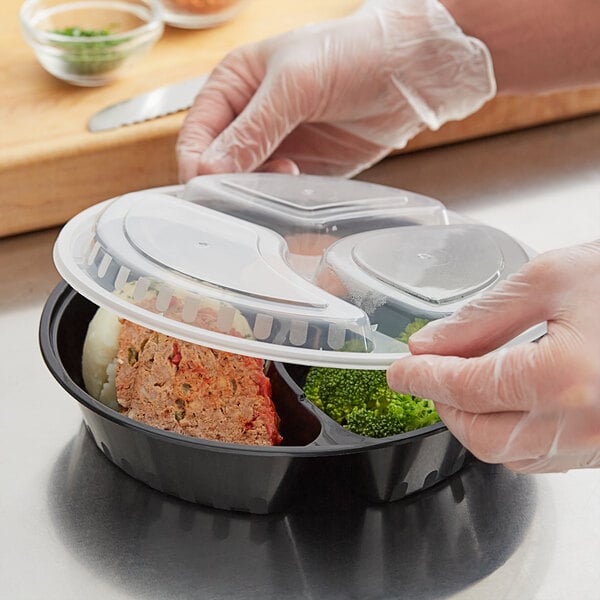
<point>193,390</point>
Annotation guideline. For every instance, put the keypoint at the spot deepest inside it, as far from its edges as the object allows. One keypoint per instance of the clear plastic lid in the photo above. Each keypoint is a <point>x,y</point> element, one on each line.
<point>303,269</point>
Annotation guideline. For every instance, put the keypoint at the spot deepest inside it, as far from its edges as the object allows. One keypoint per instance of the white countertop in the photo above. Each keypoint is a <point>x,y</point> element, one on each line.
<point>73,526</point>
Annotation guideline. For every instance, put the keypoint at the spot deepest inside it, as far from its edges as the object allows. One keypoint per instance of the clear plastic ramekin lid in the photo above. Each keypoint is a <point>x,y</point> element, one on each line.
<point>302,269</point>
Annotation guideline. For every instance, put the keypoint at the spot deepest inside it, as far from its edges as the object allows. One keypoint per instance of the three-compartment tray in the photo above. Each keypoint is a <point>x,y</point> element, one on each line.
<point>320,271</point>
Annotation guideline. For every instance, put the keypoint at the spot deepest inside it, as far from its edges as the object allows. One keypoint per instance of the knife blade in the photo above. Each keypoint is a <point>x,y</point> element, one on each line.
<point>156,103</point>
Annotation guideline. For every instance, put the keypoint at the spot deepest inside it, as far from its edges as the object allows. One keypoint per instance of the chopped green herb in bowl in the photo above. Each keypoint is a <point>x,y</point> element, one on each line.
<point>89,42</point>
<point>88,53</point>
<point>77,32</point>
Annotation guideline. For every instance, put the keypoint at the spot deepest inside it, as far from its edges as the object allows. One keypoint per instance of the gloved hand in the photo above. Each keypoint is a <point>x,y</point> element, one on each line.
<point>335,97</point>
<point>534,407</point>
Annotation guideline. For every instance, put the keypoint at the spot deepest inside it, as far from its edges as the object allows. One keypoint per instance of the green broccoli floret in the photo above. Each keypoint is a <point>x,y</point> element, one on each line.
<point>338,391</point>
<point>413,412</point>
<point>411,328</point>
<point>362,402</point>
<point>369,423</point>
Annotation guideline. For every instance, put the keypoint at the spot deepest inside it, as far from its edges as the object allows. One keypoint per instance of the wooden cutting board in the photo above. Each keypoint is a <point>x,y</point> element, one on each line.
<point>51,167</point>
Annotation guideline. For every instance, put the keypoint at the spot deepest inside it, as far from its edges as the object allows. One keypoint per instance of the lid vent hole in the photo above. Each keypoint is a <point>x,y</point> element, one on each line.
<point>262,326</point>
<point>164,297</point>
<point>225,318</point>
<point>104,264</point>
<point>141,288</point>
<point>298,332</point>
<point>336,336</point>
<point>190,310</point>
<point>121,278</point>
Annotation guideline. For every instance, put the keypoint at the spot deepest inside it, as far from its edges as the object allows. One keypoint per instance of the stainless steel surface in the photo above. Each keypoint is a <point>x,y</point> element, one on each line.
<point>74,526</point>
<point>150,105</point>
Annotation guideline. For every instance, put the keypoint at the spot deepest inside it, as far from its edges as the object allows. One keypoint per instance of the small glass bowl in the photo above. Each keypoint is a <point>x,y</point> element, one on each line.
<point>90,42</point>
<point>199,14</point>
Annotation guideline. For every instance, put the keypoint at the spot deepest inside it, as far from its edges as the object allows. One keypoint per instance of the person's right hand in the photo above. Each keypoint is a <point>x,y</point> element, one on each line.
<point>535,407</point>
<point>335,97</point>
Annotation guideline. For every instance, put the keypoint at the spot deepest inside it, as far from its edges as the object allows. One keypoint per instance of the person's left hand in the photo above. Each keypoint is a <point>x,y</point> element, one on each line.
<point>333,98</point>
<point>534,407</point>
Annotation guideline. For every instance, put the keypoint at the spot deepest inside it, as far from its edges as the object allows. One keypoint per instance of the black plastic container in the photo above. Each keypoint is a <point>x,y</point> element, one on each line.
<point>246,478</point>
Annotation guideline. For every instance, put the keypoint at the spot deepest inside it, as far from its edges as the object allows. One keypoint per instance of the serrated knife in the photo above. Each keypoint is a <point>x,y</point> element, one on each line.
<point>150,105</point>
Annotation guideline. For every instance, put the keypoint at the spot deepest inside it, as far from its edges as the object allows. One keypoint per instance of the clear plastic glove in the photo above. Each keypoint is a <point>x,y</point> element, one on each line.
<point>335,97</point>
<point>534,407</point>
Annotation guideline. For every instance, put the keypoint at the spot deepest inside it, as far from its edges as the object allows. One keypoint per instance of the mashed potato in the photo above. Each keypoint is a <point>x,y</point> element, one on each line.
<point>99,360</point>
